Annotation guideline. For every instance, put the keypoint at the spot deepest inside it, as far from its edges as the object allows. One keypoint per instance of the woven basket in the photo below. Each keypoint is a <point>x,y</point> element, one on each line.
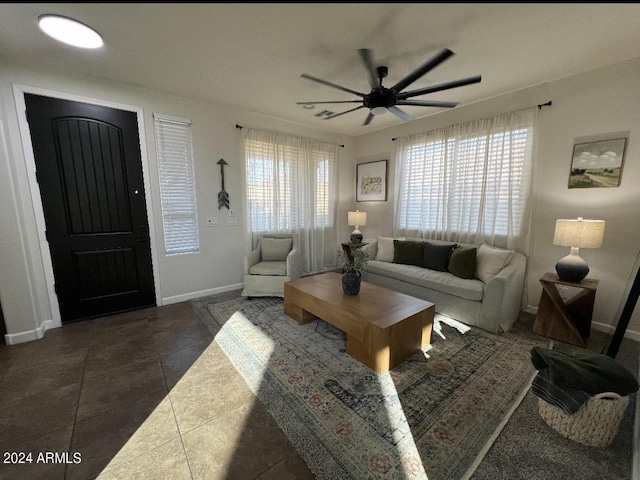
<point>596,424</point>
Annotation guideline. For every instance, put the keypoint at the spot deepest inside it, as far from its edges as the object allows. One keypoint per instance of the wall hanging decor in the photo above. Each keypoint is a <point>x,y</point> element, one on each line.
<point>223,196</point>
<point>371,181</point>
<point>597,164</point>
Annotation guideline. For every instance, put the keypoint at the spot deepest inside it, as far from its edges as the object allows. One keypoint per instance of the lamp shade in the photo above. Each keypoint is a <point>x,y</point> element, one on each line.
<point>579,233</point>
<point>357,219</point>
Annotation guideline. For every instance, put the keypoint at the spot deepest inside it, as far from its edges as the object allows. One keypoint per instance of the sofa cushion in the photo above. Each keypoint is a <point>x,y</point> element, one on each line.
<point>275,249</point>
<point>385,249</point>
<point>269,268</point>
<point>490,261</point>
<point>462,262</point>
<point>436,257</point>
<point>407,252</point>
<point>439,281</point>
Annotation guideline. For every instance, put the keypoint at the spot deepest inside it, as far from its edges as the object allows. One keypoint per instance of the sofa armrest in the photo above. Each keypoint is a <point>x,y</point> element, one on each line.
<point>250,259</point>
<point>503,295</point>
<point>293,264</point>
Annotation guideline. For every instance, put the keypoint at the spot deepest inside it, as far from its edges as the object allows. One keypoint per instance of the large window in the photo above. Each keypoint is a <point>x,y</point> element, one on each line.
<point>467,183</point>
<point>177,184</point>
<point>291,186</point>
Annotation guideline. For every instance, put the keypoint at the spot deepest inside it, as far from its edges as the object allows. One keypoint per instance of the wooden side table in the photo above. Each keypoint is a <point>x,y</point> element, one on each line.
<point>566,321</point>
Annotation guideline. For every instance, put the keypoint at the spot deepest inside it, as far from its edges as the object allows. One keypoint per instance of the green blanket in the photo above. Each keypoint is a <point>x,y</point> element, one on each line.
<point>592,372</point>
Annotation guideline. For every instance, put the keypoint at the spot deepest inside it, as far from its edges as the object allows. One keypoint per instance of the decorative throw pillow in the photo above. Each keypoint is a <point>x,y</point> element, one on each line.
<point>462,262</point>
<point>491,261</point>
<point>436,257</point>
<point>385,249</point>
<point>407,252</point>
<point>275,249</point>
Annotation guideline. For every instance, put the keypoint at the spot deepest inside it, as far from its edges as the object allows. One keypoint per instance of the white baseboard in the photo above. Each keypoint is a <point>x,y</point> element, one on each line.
<point>37,333</point>
<point>601,327</point>
<point>202,293</point>
<point>29,335</point>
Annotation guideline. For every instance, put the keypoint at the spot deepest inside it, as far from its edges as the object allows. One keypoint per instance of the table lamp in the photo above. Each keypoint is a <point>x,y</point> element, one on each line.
<point>357,219</point>
<point>576,233</point>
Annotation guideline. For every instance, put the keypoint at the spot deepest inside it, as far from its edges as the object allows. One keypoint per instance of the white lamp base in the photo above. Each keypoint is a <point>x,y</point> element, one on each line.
<point>572,268</point>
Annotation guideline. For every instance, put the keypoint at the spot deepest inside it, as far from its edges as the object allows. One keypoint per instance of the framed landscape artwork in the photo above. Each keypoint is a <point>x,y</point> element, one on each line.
<point>371,181</point>
<point>597,164</point>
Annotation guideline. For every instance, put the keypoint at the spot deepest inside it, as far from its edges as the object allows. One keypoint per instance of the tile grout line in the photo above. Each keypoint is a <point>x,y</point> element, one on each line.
<point>157,357</point>
<point>75,416</point>
<point>184,449</point>
<point>173,412</point>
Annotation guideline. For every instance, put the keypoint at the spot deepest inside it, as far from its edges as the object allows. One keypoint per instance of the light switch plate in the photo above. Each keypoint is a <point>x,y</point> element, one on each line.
<point>212,222</point>
<point>232,220</point>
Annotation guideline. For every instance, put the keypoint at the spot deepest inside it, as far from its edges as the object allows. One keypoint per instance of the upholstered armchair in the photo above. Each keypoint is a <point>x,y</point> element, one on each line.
<point>274,261</point>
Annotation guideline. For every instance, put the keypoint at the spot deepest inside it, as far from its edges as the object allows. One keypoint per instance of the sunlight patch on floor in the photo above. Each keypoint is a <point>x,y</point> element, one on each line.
<point>410,459</point>
<point>203,403</point>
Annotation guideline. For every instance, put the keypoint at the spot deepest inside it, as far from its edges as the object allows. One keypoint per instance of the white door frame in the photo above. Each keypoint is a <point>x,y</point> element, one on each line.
<point>30,163</point>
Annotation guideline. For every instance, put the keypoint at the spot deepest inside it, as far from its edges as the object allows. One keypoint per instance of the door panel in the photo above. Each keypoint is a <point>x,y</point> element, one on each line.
<point>89,171</point>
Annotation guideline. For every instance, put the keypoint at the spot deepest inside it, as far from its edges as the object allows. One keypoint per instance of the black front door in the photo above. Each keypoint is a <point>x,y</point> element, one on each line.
<point>89,170</point>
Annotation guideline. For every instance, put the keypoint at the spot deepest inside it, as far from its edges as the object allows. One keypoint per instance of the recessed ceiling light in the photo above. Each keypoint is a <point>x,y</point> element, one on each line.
<point>69,31</point>
<point>309,106</point>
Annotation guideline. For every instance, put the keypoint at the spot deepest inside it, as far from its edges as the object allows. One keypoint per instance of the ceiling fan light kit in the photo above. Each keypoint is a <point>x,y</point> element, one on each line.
<point>382,99</point>
<point>379,110</point>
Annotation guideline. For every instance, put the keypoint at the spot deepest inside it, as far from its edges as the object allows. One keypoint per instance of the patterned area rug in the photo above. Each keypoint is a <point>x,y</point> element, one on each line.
<point>434,416</point>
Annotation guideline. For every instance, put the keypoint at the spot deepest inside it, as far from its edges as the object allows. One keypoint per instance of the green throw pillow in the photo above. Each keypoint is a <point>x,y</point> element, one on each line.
<point>463,262</point>
<point>407,252</point>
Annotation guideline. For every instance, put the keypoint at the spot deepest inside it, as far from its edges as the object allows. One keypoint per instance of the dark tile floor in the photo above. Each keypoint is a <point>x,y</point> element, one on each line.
<point>144,394</point>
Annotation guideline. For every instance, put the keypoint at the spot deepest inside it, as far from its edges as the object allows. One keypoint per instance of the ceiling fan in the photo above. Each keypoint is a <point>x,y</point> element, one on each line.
<point>382,99</point>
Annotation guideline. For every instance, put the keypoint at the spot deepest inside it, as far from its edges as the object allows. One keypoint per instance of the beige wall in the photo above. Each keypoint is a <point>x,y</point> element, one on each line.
<point>598,102</point>
<point>218,265</point>
<point>603,101</point>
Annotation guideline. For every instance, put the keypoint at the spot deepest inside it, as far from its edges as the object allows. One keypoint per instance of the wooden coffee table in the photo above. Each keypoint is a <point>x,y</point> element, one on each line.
<point>383,327</point>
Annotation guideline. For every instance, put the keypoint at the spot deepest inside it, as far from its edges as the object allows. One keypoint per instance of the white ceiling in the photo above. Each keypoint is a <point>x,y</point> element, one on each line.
<point>252,55</point>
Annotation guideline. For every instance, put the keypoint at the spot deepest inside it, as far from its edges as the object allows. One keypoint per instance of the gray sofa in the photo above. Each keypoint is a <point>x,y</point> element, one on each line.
<point>492,306</point>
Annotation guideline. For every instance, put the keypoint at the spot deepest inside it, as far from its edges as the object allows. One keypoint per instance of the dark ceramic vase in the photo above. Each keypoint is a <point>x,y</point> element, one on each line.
<point>351,282</point>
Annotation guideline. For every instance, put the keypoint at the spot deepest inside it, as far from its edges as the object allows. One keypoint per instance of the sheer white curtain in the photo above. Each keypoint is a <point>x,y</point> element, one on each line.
<point>468,183</point>
<point>291,186</point>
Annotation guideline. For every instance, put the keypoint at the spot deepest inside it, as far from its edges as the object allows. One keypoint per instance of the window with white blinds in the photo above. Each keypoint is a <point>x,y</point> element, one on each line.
<point>469,182</point>
<point>177,184</point>
<point>291,183</point>
<point>291,186</point>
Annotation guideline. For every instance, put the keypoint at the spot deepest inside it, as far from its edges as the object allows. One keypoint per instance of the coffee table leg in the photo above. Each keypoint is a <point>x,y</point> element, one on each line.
<point>427,330</point>
<point>292,309</point>
<point>374,352</point>
<point>299,314</point>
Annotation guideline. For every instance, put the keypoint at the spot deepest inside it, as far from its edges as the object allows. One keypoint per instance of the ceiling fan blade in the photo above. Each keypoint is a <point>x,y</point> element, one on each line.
<point>399,113</point>
<point>367,58</point>
<point>442,86</point>
<point>342,113</point>
<point>424,68</point>
<point>427,103</point>
<point>329,84</point>
<point>367,121</point>
<point>337,101</point>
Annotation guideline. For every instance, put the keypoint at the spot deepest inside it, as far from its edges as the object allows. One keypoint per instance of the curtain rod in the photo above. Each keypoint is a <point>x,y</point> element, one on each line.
<point>547,104</point>
<point>241,127</point>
